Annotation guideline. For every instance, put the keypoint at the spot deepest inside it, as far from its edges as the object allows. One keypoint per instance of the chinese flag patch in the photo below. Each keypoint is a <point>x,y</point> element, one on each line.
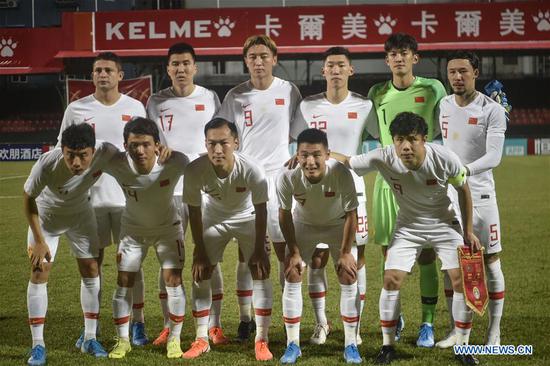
<point>240,189</point>
<point>419,99</point>
<point>97,174</point>
<point>352,115</point>
<point>199,107</point>
<point>164,183</point>
<point>330,194</point>
<point>279,101</point>
<point>126,117</point>
<point>472,121</point>
<point>431,182</point>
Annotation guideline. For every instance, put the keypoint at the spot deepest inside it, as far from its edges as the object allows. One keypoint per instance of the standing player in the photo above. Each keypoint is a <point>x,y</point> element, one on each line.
<point>419,174</point>
<point>233,206</point>
<point>342,114</point>
<point>405,92</point>
<point>262,108</point>
<point>473,126</point>
<point>181,111</point>
<point>56,202</point>
<point>326,212</point>
<point>107,111</point>
<point>150,218</point>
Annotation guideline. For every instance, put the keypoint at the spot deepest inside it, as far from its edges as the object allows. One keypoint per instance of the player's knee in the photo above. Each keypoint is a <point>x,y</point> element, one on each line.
<point>293,276</point>
<point>126,279</point>
<point>491,258</point>
<point>427,256</point>
<point>41,275</point>
<point>456,281</point>
<point>88,267</point>
<point>172,277</point>
<point>346,278</point>
<point>319,259</point>
<point>393,280</point>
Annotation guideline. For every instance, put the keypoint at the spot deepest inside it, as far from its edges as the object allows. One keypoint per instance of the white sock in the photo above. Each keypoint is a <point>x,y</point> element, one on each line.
<point>138,293</point>
<point>37,306</point>
<point>163,298</point>
<point>362,289</point>
<point>217,297</point>
<point>317,293</point>
<point>463,318</point>
<point>176,306</point>
<point>349,310</point>
<point>202,302</point>
<point>244,291</point>
<point>292,311</point>
<point>449,297</point>
<point>389,305</point>
<point>89,300</point>
<point>122,303</point>
<point>496,286</point>
<point>262,299</point>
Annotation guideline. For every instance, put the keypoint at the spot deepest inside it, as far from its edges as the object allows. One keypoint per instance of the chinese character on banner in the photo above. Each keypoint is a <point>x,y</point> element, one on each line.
<point>4,154</point>
<point>36,153</point>
<point>467,22</point>
<point>354,26</point>
<point>426,23</point>
<point>512,22</point>
<point>271,25</point>
<point>311,26</point>
<point>14,154</point>
<point>26,155</point>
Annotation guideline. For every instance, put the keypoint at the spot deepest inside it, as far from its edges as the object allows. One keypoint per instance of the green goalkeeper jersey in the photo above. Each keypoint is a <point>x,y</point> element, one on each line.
<point>422,98</point>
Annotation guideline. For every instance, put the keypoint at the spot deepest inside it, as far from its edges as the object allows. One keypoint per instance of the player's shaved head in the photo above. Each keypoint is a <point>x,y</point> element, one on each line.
<point>337,51</point>
<point>141,126</point>
<point>78,137</point>
<point>313,136</point>
<point>401,41</point>
<point>220,122</point>
<point>408,123</point>
<point>179,48</point>
<point>110,56</point>
<point>260,39</point>
<point>465,55</point>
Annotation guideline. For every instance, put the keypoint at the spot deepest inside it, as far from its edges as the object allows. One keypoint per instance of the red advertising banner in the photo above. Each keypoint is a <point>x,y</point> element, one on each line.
<point>362,28</point>
<point>139,88</point>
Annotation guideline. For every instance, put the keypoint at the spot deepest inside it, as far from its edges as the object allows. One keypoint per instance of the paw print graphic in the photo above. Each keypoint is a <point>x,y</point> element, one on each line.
<point>224,27</point>
<point>542,20</point>
<point>385,24</point>
<point>7,47</point>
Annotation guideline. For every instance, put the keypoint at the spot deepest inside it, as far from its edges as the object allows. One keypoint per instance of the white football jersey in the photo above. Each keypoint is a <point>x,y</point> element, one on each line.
<point>344,123</point>
<point>182,120</point>
<point>476,134</point>
<point>56,189</point>
<point>324,203</point>
<point>230,199</point>
<point>108,122</point>
<point>422,193</point>
<point>263,119</point>
<point>150,208</point>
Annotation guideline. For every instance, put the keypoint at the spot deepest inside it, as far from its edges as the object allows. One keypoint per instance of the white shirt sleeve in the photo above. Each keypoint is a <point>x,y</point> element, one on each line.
<point>37,179</point>
<point>298,124</point>
<point>191,187</point>
<point>284,190</point>
<point>226,110</point>
<point>258,186</point>
<point>364,163</point>
<point>349,194</point>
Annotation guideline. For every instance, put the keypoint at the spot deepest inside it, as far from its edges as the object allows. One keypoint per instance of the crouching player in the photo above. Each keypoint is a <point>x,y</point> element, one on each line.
<point>150,219</point>
<point>326,212</point>
<point>419,173</point>
<point>56,202</point>
<point>233,206</point>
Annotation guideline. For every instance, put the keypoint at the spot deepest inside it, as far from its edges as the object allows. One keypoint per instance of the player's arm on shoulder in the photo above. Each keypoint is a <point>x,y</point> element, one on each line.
<point>364,163</point>
<point>344,159</point>
<point>40,250</point>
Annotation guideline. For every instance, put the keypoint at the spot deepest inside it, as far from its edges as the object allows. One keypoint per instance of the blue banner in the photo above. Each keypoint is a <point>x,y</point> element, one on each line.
<point>21,152</point>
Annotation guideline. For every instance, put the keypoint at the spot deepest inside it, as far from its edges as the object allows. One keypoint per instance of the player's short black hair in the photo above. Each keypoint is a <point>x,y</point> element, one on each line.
<point>465,55</point>
<point>337,51</point>
<point>407,123</point>
<point>78,137</point>
<point>401,41</point>
<point>110,56</point>
<point>313,136</point>
<point>179,48</point>
<point>219,122</point>
<point>141,126</point>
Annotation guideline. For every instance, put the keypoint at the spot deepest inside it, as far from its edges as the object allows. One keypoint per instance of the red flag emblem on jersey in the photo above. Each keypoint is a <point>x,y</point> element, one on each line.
<point>97,174</point>
<point>472,121</point>
<point>199,107</point>
<point>279,101</point>
<point>431,182</point>
<point>126,117</point>
<point>419,99</point>
<point>164,183</point>
<point>352,115</point>
<point>240,189</point>
<point>330,194</point>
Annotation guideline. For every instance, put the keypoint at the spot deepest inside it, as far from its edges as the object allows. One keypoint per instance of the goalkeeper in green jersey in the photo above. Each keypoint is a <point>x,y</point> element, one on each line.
<point>405,92</point>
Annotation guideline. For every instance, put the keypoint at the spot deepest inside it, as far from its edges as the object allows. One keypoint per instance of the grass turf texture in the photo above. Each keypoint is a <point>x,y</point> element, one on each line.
<point>524,196</point>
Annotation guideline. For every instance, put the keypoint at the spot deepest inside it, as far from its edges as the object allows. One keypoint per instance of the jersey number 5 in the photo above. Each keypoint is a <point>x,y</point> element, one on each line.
<point>444,128</point>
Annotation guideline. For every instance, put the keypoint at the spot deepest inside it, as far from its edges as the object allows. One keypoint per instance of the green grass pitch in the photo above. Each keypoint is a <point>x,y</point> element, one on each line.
<point>524,201</point>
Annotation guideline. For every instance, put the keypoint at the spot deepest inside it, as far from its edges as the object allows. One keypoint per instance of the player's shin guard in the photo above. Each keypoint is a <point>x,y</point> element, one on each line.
<point>429,285</point>
<point>389,306</point>
<point>176,308</point>
<point>122,304</point>
<point>37,306</point>
<point>495,284</point>
<point>138,293</point>
<point>292,311</point>
<point>244,291</point>
<point>89,299</point>
<point>262,299</point>
<point>202,302</point>
<point>463,318</point>
<point>349,310</point>
<point>449,297</point>
<point>317,293</point>
<point>163,298</point>
<point>217,297</point>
